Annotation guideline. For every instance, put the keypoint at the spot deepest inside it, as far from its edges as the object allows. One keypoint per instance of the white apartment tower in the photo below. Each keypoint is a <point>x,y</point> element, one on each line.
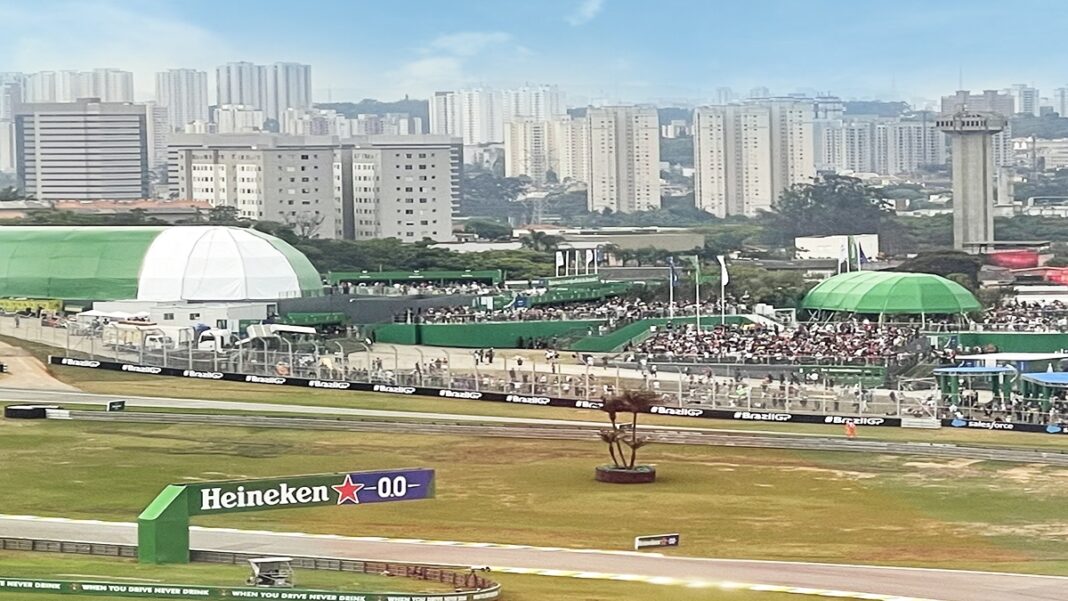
<point>474,114</point>
<point>240,83</point>
<point>237,119</point>
<point>746,155</point>
<point>624,164</point>
<point>288,85</point>
<point>541,103</point>
<point>528,149</point>
<point>184,93</point>
<point>85,150</point>
<point>109,85</point>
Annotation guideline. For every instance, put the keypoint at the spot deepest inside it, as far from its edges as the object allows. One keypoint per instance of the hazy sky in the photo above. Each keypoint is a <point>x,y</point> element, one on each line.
<point>597,50</point>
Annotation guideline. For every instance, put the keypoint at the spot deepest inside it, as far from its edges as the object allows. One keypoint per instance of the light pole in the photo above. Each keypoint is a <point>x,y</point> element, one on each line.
<point>448,368</point>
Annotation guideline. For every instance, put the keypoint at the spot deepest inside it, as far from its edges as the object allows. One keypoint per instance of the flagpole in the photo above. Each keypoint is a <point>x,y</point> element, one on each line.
<point>723,298</point>
<point>697,290</point>
<point>671,292</point>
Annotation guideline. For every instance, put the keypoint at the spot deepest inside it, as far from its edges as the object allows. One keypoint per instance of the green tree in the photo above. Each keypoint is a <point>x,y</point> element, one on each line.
<point>946,263</point>
<point>832,204</point>
<point>488,230</point>
<point>486,195</point>
<point>10,193</point>
<point>223,215</point>
<point>540,241</point>
<point>754,284</point>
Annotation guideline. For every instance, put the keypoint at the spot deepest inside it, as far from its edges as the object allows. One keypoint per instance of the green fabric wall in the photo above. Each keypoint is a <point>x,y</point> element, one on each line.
<point>1016,342</point>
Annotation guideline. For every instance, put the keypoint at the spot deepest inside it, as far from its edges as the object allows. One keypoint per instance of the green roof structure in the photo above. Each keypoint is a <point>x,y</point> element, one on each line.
<point>156,263</point>
<point>889,293</point>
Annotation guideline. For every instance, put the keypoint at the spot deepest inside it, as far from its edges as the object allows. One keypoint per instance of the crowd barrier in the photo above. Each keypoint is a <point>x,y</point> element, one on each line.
<point>749,415</point>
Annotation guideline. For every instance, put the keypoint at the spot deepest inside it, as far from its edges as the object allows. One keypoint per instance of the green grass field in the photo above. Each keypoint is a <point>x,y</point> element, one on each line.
<point>726,502</point>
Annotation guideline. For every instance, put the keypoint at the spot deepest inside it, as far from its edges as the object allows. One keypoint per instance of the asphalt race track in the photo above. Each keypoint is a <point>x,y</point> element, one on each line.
<point>943,585</point>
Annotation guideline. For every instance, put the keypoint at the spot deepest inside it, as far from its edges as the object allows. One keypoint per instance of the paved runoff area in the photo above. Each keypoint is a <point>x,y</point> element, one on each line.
<point>827,580</point>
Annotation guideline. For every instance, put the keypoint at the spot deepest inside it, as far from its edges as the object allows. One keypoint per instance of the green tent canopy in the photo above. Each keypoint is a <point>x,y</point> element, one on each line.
<point>890,292</point>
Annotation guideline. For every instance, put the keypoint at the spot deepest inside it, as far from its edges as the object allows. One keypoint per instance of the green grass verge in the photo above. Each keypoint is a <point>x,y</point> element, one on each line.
<point>767,504</point>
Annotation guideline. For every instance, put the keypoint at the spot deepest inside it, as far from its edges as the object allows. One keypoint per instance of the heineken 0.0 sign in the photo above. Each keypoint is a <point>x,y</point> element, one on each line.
<point>163,527</point>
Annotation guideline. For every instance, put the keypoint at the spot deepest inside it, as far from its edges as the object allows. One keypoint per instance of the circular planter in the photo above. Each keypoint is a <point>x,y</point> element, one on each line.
<point>641,474</point>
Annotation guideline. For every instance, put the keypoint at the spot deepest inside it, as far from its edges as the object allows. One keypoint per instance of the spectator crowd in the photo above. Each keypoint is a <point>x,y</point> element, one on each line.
<point>842,342</point>
<point>1022,316</point>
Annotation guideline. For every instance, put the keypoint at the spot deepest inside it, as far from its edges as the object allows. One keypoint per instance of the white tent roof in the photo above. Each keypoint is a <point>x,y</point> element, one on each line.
<point>214,263</point>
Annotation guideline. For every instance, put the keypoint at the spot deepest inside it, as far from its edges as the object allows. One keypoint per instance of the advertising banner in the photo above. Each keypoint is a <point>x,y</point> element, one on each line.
<point>184,591</point>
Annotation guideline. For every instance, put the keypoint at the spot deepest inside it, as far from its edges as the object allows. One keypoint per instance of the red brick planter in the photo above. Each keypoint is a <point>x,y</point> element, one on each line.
<point>641,474</point>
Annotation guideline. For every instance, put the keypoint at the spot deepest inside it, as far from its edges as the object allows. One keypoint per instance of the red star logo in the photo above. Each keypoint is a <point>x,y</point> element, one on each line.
<point>346,491</point>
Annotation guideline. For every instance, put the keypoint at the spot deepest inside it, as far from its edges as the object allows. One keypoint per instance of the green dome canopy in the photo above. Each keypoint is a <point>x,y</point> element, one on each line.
<point>890,292</point>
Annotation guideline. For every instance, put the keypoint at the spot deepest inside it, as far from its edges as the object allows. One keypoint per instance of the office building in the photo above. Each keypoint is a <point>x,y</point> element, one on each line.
<point>184,93</point>
<point>157,128</point>
<point>624,164</point>
<point>237,119</point>
<point>83,150</point>
<point>363,188</point>
<point>7,146</point>
<point>745,155</point>
<point>971,134</point>
<point>990,101</point>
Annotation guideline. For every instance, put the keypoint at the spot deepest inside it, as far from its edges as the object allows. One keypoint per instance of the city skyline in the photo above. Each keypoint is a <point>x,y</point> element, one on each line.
<point>585,46</point>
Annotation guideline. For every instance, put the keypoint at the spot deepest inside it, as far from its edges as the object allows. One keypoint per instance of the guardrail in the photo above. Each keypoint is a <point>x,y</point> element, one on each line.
<point>473,583</point>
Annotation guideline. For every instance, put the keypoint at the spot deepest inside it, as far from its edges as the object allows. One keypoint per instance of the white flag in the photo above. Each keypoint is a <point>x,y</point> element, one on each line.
<point>723,277</point>
<point>589,256</point>
<point>559,258</point>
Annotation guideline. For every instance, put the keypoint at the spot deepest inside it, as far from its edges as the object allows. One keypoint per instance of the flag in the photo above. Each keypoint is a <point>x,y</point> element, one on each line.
<point>851,256</point>
<point>723,277</point>
<point>674,272</point>
<point>862,258</point>
<point>589,256</point>
<point>559,258</point>
<point>843,257</point>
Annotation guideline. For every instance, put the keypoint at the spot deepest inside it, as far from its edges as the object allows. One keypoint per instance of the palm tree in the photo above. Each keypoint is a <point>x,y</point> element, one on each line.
<point>541,241</point>
<point>626,401</point>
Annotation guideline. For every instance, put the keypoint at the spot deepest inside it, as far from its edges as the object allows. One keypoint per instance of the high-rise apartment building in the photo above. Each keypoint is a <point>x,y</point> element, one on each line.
<point>1025,99</point>
<point>745,155</point>
<point>990,101</point>
<point>475,114</point>
<point>240,83</point>
<point>184,93</point>
<point>1060,101</point>
<point>540,102</point>
<point>237,119</point>
<point>624,164</point>
<point>109,85</point>
<point>271,88</point>
<point>887,146</point>
<point>528,149</point>
<point>288,86</point>
<point>368,187</point>
<point>402,187</point>
<point>85,150</point>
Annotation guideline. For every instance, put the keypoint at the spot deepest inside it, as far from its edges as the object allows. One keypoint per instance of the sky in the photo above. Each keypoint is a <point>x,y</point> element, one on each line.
<point>664,51</point>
